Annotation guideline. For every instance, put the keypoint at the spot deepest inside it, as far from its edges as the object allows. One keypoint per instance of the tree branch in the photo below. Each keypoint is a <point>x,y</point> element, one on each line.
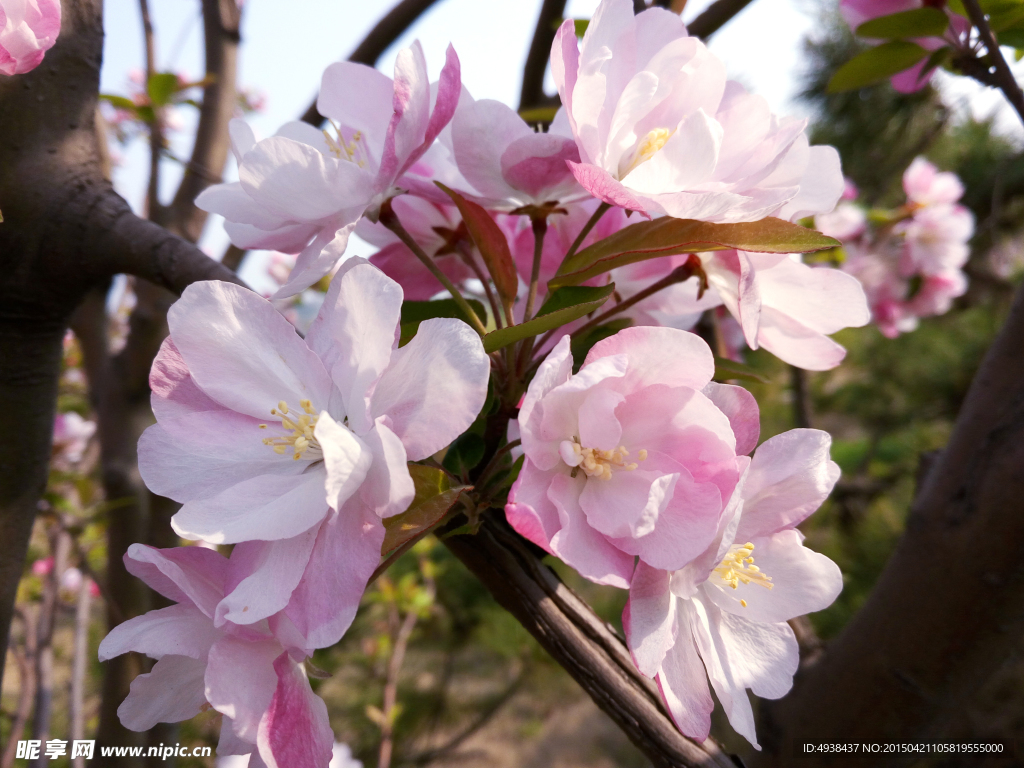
<point>1003,77</point>
<point>379,39</point>
<point>582,643</point>
<point>532,93</point>
<point>221,19</point>
<point>716,16</point>
<point>949,607</point>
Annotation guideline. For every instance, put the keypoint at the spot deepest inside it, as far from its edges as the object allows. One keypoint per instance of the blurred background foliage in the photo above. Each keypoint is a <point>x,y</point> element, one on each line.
<point>473,687</point>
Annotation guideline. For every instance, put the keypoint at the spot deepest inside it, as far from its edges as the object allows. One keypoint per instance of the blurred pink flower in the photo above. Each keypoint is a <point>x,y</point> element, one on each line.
<point>28,29</point>
<point>71,435</point>
<point>42,566</point>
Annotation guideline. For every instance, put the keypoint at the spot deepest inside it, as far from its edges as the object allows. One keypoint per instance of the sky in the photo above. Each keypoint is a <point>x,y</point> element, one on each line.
<point>287,44</point>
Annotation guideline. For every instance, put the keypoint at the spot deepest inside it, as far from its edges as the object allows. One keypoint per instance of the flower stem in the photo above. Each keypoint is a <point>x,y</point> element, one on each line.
<point>390,220</point>
<point>540,228</point>
<point>591,223</point>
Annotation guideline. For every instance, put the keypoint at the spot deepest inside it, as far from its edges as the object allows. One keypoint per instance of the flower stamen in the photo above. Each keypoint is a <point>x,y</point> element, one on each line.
<point>354,151</point>
<point>737,567</point>
<point>595,462</point>
<point>300,426</point>
<point>648,147</point>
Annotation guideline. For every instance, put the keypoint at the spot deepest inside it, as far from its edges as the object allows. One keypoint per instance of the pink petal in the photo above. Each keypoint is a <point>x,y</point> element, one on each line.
<point>649,618</point>
<point>184,574</point>
<point>683,682</point>
<point>741,408</point>
<point>171,692</point>
<point>178,630</point>
<point>295,731</point>
<point>529,510</point>
<point>174,391</point>
<point>659,356</point>
<point>603,186</point>
<point>388,489</point>
<point>262,576</point>
<point>240,681</point>
<point>790,477</point>
<point>434,387</point>
<point>346,553</point>
<point>347,459</point>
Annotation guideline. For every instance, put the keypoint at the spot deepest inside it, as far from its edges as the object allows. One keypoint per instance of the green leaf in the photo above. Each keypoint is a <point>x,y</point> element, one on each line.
<point>875,65</point>
<point>434,497</point>
<point>920,22</point>
<point>161,87</point>
<point>1012,37</point>
<point>572,296</point>
<point>491,243</point>
<point>1006,19</point>
<point>726,369</point>
<point>418,311</point>
<point>465,453</point>
<point>581,26</point>
<point>415,312</point>
<point>118,101</point>
<point>538,115</point>
<point>667,237</point>
<point>554,318</point>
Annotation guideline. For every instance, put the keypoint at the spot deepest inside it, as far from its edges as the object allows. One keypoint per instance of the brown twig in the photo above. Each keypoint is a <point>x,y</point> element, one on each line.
<point>27,685</point>
<point>532,92</point>
<point>1002,77</point>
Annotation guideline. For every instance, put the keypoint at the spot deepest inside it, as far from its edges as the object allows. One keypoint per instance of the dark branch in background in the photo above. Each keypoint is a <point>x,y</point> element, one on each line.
<point>1002,77</point>
<point>715,16</point>
<point>221,19</point>
<point>581,642</point>
<point>156,133</point>
<point>380,38</point>
<point>532,93</point>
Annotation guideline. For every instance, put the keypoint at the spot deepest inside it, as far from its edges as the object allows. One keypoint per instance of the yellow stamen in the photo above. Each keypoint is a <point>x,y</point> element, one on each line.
<point>598,463</point>
<point>301,438</point>
<point>737,567</point>
<point>648,147</point>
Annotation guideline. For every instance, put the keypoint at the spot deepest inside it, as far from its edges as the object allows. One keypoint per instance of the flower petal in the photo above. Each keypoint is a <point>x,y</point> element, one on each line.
<point>347,459</point>
<point>388,489</point>
<point>178,630</point>
<point>684,683</point>
<point>240,681</point>
<point>434,387</point>
<point>295,731</point>
<point>790,476</point>
<point>184,574</point>
<point>741,408</point>
<point>346,553</point>
<point>263,575</point>
<point>658,356</point>
<point>267,507</point>
<point>649,618</point>
<point>242,352</point>
<point>170,693</point>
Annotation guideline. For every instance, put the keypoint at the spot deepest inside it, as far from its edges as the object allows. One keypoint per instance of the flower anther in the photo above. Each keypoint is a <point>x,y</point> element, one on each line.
<point>737,567</point>
<point>301,426</point>
<point>648,147</point>
<point>595,462</point>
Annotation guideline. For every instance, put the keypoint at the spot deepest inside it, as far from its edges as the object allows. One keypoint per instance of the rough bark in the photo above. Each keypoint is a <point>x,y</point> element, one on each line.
<point>949,607</point>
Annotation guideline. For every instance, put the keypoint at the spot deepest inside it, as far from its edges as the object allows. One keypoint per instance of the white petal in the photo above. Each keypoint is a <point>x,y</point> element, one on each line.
<point>347,459</point>
<point>170,693</point>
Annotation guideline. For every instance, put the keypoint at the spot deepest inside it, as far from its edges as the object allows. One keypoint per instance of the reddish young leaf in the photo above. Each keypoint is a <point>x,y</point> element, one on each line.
<point>490,242</point>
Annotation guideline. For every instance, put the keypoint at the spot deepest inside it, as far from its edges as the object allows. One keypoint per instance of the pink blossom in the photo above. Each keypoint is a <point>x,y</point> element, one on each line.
<point>302,191</point>
<point>71,435</point>
<point>661,131</point>
<point>856,12</point>
<point>632,456</point>
<point>936,239</point>
<point>844,223</point>
<point>296,448</point>
<point>28,29</point>
<point>42,566</point>
<point>783,305</point>
<point>253,674</point>
<point>722,617</point>
<point>507,163</point>
<point>927,185</point>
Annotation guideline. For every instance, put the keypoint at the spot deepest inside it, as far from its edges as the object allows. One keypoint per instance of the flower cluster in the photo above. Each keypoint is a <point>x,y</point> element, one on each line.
<point>908,260</point>
<point>636,469</point>
<point>294,451</point>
